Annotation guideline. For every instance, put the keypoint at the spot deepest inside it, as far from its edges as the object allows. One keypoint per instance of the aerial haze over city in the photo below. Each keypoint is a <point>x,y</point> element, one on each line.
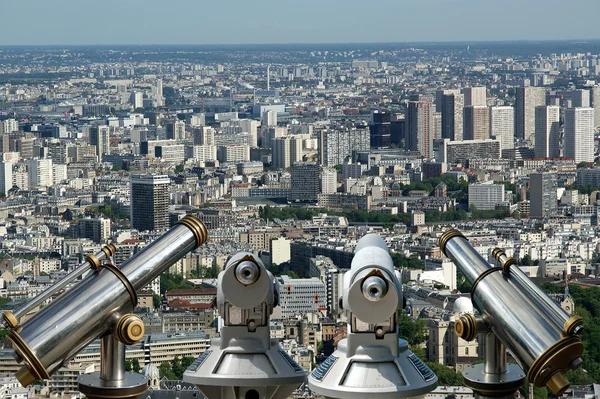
<point>311,201</point>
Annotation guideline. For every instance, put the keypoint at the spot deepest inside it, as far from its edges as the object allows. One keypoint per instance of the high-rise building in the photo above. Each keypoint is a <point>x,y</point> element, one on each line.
<point>40,172</point>
<point>579,134</point>
<point>580,99</point>
<point>336,145</point>
<point>418,127</point>
<point>476,123</point>
<point>380,129</point>
<point>485,196</point>
<point>233,153</point>
<point>476,96</point>
<point>203,135</point>
<point>149,202</point>
<point>547,131</point>
<point>9,126</point>
<point>595,103</point>
<point>527,99</point>
<point>286,151</point>
<point>269,118</point>
<point>137,99</point>
<point>100,137</point>
<point>301,295</point>
<point>502,126</point>
<point>97,230</point>
<point>542,195</point>
<point>305,182</point>
<point>328,181</point>
<point>452,116</point>
<point>175,130</point>
<point>6,177</point>
<point>439,94</point>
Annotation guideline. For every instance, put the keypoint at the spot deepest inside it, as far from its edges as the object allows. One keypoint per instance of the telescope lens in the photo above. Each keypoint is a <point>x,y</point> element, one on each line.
<point>247,272</point>
<point>374,288</point>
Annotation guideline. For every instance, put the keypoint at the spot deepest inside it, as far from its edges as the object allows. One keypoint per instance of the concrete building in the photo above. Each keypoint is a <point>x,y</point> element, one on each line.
<point>475,96</point>
<point>485,196</point>
<point>280,250</point>
<point>328,181</point>
<point>502,126</point>
<point>306,182</point>
<point>579,134</point>
<point>336,145</point>
<point>175,130</point>
<point>527,99</point>
<point>580,99</point>
<point>452,105</point>
<point>97,230</point>
<point>476,122</point>
<point>204,153</point>
<point>419,129</point>
<point>595,103</point>
<point>6,177</point>
<point>233,153</point>
<point>40,173</point>
<point>301,296</point>
<point>380,129</point>
<point>99,136</point>
<point>459,151</point>
<point>203,135</point>
<point>286,151</point>
<point>543,201</point>
<point>149,202</point>
<point>547,131</point>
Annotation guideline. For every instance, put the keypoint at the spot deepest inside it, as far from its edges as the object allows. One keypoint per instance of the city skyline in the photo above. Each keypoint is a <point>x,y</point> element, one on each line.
<point>58,23</point>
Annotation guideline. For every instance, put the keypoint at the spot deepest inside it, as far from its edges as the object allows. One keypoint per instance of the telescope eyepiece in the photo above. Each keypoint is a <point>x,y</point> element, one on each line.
<point>374,288</point>
<point>247,272</point>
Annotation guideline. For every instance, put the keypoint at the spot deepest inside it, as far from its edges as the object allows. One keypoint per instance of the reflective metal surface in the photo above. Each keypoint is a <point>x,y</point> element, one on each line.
<point>374,288</point>
<point>87,311</point>
<point>112,359</point>
<point>247,272</point>
<point>104,253</point>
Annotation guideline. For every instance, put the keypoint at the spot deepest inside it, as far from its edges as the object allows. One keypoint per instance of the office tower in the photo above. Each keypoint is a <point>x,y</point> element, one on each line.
<point>328,181</point>
<point>380,129</point>
<point>286,151</point>
<point>137,99</point>
<point>502,126</point>
<point>4,143</point>
<point>138,135</point>
<point>476,96</point>
<point>476,123</point>
<point>451,107</point>
<point>157,92</point>
<point>250,126</point>
<point>149,202</point>
<point>175,130</point>
<point>203,135</point>
<point>460,151</point>
<point>542,195</point>
<point>547,131</point>
<point>233,153</point>
<point>336,145</point>
<point>9,126</point>
<point>97,230</point>
<point>40,173</point>
<point>439,94</point>
<point>527,99</point>
<point>437,126</point>
<point>301,296</point>
<point>305,182</point>
<point>398,130</point>
<point>418,127</point>
<point>100,137</point>
<point>595,103</point>
<point>6,177</point>
<point>580,99</point>
<point>269,118</point>
<point>579,134</point>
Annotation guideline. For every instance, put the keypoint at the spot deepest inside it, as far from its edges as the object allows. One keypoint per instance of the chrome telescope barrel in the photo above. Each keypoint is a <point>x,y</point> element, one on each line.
<point>540,348</point>
<point>95,306</point>
<point>561,319</point>
<point>11,319</point>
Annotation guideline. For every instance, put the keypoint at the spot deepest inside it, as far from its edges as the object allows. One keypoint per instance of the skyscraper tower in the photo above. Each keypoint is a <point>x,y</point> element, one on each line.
<point>543,200</point>
<point>547,131</point>
<point>100,137</point>
<point>476,122</point>
<point>418,127</point>
<point>150,202</point>
<point>527,98</point>
<point>476,96</point>
<point>268,77</point>
<point>502,126</point>
<point>579,134</point>
<point>380,129</point>
<point>452,116</point>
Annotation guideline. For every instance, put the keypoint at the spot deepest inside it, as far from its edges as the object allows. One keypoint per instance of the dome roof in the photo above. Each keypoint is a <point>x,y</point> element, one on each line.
<point>151,371</point>
<point>462,305</point>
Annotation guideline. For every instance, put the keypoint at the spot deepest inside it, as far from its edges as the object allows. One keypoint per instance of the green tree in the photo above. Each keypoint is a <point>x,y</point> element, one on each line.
<point>412,331</point>
<point>445,374</point>
<point>169,281</point>
<point>165,371</point>
<point>179,168</point>
<point>135,366</point>
<point>156,300</point>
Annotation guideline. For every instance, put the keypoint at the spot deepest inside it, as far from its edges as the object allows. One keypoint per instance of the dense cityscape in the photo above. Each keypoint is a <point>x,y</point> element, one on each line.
<point>293,153</point>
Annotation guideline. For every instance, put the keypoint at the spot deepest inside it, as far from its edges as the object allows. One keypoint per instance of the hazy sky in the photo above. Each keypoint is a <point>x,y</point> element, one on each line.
<point>288,21</point>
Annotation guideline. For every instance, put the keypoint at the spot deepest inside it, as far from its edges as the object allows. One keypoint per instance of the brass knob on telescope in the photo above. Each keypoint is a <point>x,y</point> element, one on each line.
<point>573,325</point>
<point>109,250</point>
<point>466,327</point>
<point>197,227</point>
<point>558,384</point>
<point>444,238</point>
<point>93,261</point>
<point>10,319</point>
<point>129,329</point>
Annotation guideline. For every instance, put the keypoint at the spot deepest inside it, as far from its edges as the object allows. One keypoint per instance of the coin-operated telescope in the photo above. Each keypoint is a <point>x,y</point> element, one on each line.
<point>372,360</point>
<point>245,363</point>
<point>99,307</point>
<point>515,315</point>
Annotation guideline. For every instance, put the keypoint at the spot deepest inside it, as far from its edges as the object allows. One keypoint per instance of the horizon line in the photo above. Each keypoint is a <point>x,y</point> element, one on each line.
<point>421,42</point>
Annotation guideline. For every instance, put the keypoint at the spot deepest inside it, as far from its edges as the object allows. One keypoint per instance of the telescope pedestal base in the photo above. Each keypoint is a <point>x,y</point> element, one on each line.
<point>497,386</point>
<point>131,387</point>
